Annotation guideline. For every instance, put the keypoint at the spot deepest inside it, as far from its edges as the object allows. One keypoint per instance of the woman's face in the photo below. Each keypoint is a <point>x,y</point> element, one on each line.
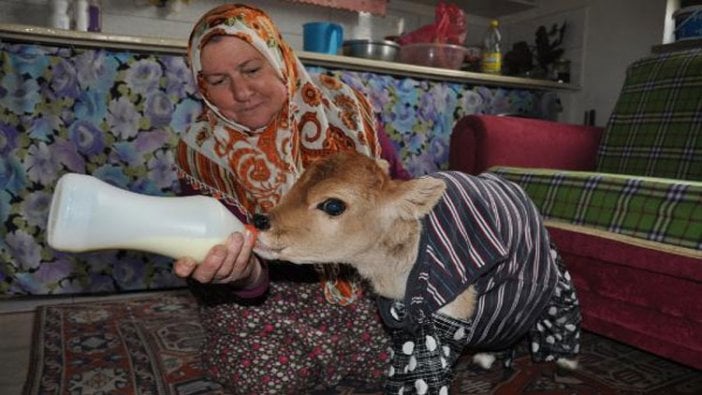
<point>240,82</point>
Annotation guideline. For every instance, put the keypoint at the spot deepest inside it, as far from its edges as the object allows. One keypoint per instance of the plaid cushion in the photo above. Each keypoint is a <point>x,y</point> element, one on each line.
<point>655,128</point>
<point>655,209</point>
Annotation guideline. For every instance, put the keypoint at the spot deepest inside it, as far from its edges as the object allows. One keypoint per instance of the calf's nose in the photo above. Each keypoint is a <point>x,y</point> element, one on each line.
<point>261,221</point>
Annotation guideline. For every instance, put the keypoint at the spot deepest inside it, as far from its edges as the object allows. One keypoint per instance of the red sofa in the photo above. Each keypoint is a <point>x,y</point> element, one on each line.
<point>640,292</point>
<point>480,142</point>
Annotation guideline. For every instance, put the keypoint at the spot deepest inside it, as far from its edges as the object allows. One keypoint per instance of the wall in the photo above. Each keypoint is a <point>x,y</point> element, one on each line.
<point>603,38</point>
<point>137,17</point>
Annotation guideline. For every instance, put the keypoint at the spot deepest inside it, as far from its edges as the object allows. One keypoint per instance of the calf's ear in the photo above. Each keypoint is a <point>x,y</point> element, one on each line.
<point>415,198</point>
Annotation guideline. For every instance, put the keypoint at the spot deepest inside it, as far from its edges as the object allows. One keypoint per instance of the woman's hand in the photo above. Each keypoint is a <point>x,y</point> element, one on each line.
<point>231,262</point>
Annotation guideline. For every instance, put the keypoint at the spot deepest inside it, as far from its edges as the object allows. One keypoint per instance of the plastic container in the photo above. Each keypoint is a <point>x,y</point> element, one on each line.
<point>448,56</point>
<point>94,16</point>
<point>80,15</point>
<point>88,214</point>
<point>688,23</point>
<point>322,37</point>
<point>59,15</point>
<point>492,50</point>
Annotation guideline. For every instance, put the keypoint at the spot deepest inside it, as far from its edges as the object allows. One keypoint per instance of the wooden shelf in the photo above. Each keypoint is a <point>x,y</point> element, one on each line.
<point>403,69</point>
<point>26,33</point>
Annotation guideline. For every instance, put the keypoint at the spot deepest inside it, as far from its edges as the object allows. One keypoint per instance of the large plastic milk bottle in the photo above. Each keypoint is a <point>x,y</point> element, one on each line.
<point>89,214</point>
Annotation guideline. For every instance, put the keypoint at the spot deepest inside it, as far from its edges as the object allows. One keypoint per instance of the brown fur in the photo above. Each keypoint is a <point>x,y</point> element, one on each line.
<point>378,233</point>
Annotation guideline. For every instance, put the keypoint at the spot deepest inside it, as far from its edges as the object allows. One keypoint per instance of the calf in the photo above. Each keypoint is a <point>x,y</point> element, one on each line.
<point>458,262</point>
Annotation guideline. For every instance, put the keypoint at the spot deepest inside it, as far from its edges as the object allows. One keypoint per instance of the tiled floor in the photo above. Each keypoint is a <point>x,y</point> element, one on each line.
<point>15,340</point>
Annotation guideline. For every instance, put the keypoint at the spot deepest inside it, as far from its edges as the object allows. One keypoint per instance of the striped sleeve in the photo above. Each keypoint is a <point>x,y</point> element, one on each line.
<point>461,241</point>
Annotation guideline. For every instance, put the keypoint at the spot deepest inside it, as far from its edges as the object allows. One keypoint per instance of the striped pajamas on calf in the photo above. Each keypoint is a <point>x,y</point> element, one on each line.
<point>485,232</point>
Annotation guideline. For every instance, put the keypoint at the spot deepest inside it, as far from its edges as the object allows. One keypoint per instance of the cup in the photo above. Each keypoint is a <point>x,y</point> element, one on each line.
<point>322,37</point>
<point>89,214</point>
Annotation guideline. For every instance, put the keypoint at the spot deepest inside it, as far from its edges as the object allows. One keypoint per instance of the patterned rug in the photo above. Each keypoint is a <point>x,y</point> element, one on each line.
<point>149,345</point>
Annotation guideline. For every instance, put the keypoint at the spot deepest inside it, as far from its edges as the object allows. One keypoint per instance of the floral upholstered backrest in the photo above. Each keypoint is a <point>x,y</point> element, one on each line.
<point>116,115</point>
<point>656,127</point>
<point>111,114</point>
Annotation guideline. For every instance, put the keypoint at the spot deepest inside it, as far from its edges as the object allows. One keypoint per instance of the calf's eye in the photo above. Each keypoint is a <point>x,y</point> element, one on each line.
<point>332,206</point>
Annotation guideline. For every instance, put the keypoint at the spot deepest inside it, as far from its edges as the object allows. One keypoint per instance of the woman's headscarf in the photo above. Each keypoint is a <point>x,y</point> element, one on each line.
<point>322,115</point>
<point>252,169</point>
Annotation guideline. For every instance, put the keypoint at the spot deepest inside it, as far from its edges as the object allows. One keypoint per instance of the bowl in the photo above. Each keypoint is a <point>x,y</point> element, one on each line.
<point>379,50</point>
<point>448,56</point>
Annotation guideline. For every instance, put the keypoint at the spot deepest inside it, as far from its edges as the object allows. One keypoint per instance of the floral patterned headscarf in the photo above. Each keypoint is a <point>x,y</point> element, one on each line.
<point>252,169</point>
<point>322,115</point>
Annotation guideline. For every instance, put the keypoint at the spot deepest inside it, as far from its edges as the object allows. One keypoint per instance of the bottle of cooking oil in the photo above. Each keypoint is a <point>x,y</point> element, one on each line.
<point>492,53</point>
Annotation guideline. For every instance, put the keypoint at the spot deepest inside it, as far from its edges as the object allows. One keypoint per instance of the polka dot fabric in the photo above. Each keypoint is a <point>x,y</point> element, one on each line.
<point>422,362</point>
<point>557,333</point>
<point>423,355</point>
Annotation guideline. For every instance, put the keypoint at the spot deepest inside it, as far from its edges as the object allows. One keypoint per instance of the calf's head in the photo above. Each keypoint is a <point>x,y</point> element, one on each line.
<point>343,209</point>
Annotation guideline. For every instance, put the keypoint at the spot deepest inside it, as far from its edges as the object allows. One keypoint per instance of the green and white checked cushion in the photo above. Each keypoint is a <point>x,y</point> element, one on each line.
<point>656,126</point>
<point>654,209</point>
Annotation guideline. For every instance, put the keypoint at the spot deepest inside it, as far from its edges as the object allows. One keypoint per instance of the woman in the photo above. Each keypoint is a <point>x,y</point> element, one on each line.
<point>265,120</point>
